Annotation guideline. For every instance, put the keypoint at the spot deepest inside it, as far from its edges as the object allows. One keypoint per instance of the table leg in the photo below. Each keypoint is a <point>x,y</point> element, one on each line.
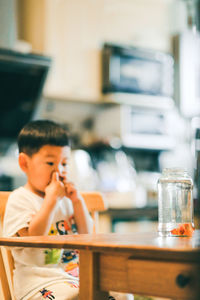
<point>89,277</point>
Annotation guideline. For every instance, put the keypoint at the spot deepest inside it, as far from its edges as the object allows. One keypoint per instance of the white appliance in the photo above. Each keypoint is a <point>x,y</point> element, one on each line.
<point>136,127</point>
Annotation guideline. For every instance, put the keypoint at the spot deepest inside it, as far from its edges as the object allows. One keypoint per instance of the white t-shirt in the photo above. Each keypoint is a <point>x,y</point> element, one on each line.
<point>37,268</point>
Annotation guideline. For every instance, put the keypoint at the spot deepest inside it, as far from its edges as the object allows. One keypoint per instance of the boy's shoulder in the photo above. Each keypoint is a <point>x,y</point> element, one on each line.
<point>22,195</point>
<point>20,191</point>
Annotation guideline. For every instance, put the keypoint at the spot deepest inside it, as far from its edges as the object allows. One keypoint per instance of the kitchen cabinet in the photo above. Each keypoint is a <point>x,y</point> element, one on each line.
<point>72,32</point>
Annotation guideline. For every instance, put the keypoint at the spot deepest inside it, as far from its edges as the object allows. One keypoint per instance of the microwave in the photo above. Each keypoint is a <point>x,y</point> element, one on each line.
<point>135,70</point>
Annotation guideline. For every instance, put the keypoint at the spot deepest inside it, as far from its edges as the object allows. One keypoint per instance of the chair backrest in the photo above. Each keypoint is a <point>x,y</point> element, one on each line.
<point>94,202</point>
<point>3,200</point>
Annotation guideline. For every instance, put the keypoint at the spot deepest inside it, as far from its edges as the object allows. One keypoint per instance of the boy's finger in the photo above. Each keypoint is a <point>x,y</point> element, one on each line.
<point>55,176</point>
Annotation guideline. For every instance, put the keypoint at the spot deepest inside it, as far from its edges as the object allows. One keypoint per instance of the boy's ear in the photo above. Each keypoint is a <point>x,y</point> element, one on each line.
<point>23,161</point>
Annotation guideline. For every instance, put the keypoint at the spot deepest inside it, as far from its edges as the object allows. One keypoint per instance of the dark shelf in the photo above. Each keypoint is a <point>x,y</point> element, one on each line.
<point>133,214</point>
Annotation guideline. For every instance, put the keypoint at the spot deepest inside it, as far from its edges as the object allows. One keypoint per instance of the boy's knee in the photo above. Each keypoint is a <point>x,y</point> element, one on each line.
<point>120,296</point>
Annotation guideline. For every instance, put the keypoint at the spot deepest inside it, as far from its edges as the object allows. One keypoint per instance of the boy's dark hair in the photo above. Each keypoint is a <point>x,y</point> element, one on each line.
<point>39,133</point>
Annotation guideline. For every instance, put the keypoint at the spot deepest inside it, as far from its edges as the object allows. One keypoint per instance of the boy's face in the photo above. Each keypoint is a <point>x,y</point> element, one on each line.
<point>41,165</point>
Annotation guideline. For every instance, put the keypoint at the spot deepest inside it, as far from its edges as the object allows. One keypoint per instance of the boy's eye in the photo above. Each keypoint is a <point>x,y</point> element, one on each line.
<point>50,163</point>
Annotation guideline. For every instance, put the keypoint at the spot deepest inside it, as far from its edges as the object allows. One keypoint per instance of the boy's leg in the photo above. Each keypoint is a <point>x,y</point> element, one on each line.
<point>121,296</point>
<point>57,291</point>
<point>65,291</point>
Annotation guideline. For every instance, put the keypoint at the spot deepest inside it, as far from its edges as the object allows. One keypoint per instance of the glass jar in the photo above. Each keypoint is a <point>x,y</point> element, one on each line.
<point>175,203</point>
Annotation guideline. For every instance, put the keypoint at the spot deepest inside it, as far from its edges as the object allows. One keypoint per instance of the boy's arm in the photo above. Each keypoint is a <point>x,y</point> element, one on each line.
<point>39,224</point>
<point>82,217</point>
<point>41,221</point>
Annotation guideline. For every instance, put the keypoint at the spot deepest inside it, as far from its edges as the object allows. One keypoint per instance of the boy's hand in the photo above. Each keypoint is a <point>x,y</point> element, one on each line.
<point>71,191</point>
<point>55,190</point>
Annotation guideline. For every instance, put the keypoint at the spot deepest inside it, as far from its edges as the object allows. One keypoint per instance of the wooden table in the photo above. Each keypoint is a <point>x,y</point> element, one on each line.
<point>140,263</point>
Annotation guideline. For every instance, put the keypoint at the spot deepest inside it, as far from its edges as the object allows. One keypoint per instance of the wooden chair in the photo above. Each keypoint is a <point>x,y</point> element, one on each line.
<point>94,202</point>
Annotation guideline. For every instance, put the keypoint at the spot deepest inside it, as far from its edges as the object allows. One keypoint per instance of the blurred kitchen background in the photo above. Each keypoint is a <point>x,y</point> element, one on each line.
<point>123,76</point>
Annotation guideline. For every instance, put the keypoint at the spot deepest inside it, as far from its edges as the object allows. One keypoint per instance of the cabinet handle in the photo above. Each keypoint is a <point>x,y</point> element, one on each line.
<point>182,280</point>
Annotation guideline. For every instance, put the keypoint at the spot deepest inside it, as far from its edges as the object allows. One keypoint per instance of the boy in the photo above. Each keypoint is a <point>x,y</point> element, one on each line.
<point>47,204</point>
